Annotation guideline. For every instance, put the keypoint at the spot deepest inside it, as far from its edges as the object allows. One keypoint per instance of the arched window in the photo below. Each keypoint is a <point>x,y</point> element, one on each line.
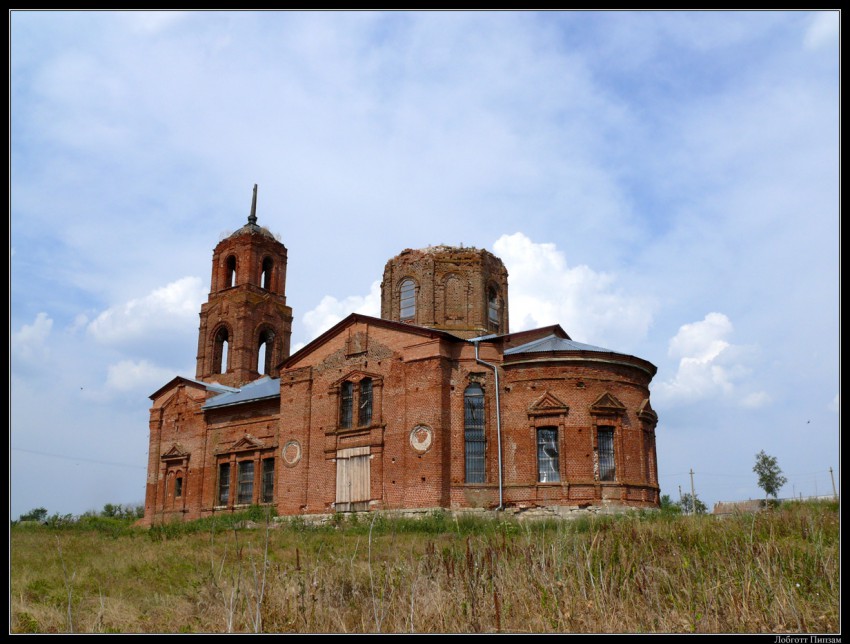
<point>407,300</point>
<point>493,309</point>
<point>265,352</point>
<point>220,351</point>
<point>230,272</point>
<point>346,403</point>
<point>473,435</point>
<point>178,487</point>
<point>364,404</point>
<point>266,278</point>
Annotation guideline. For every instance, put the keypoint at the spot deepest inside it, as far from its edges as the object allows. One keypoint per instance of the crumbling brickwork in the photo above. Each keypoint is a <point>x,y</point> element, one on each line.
<point>460,290</point>
<point>401,412</point>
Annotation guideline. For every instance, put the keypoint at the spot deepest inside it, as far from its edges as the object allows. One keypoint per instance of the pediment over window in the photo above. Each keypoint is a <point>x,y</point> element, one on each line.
<point>548,404</point>
<point>175,453</point>
<point>356,376</point>
<point>247,442</point>
<point>607,404</point>
<point>646,413</point>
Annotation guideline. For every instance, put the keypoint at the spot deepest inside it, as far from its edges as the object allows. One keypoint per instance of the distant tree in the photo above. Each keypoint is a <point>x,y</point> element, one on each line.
<point>668,505</point>
<point>688,504</point>
<point>770,474</point>
<point>110,510</point>
<point>38,514</point>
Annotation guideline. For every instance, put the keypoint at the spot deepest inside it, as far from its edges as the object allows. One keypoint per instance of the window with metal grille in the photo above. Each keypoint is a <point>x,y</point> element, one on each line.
<point>605,450</point>
<point>407,306</point>
<point>547,455</point>
<point>245,492</point>
<point>224,483</point>
<point>346,404</point>
<point>364,404</point>
<point>268,481</point>
<point>473,424</point>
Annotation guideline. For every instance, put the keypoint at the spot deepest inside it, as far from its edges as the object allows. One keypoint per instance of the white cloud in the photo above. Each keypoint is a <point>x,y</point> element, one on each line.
<point>128,375</point>
<point>822,30</point>
<point>835,405</point>
<point>588,305</point>
<point>331,310</point>
<point>153,22</point>
<point>709,365</point>
<point>170,307</point>
<point>756,399</point>
<point>30,343</point>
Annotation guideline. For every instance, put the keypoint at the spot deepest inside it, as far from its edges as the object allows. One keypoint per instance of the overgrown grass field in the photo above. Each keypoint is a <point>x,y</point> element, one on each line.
<point>776,571</point>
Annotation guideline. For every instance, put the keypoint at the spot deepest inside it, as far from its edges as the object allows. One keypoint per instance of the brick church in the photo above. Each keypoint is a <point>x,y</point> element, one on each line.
<point>435,404</point>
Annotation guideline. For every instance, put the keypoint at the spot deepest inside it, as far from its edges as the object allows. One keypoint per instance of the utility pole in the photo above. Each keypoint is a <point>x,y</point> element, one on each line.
<point>834,493</point>
<point>693,495</point>
<point>680,495</point>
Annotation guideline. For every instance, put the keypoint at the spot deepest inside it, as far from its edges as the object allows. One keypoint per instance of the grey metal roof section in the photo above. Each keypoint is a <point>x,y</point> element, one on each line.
<point>214,386</point>
<point>265,387</point>
<point>554,343</point>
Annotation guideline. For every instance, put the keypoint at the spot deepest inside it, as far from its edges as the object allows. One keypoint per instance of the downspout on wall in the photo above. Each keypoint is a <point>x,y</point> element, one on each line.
<point>495,369</point>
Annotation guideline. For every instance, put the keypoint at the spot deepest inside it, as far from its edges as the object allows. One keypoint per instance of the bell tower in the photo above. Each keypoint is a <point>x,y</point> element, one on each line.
<point>245,324</point>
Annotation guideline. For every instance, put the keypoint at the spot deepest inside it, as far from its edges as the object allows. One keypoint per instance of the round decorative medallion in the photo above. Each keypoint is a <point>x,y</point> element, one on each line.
<point>291,453</point>
<point>421,438</point>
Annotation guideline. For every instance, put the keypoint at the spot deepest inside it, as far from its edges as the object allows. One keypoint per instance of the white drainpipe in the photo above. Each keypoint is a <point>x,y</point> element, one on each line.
<point>495,369</point>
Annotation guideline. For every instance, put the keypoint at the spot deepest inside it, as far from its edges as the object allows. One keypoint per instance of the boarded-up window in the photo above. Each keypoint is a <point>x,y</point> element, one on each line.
<point>473,423</point>
<point>547,455</point>
<point>455,299</point>
<point>605,450</point>
<point>353,483</point>
<point>246,482</point>
<point>224,483</point>
<point>268,481</point>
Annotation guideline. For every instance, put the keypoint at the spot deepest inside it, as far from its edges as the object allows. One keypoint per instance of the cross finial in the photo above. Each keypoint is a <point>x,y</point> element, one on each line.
<point>252,218</point>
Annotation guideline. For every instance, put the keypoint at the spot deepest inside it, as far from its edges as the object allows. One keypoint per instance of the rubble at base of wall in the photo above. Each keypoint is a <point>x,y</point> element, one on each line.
<point>518,513</point>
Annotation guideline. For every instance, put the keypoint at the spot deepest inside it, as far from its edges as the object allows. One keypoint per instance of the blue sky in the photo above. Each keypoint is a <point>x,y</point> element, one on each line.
<point>665,184</point>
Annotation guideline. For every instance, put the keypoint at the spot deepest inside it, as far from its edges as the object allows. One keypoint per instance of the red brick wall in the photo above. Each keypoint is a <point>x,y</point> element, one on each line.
<point>452,286</point>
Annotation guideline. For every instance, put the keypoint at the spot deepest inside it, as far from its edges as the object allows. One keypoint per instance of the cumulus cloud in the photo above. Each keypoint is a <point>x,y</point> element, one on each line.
<point>30,343</point>
<point>168,308</point>
<point>756,399</point>
<point>709,365</point>
<point>835,405</point>
<point>331,310</point>
<point>588,305</point>
<point>153,22</point>
<point>822,30</point>
<point>128,375</point>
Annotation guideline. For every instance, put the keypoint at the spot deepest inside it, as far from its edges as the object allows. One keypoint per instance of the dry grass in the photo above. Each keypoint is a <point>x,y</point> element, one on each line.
<point>773,572</point>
